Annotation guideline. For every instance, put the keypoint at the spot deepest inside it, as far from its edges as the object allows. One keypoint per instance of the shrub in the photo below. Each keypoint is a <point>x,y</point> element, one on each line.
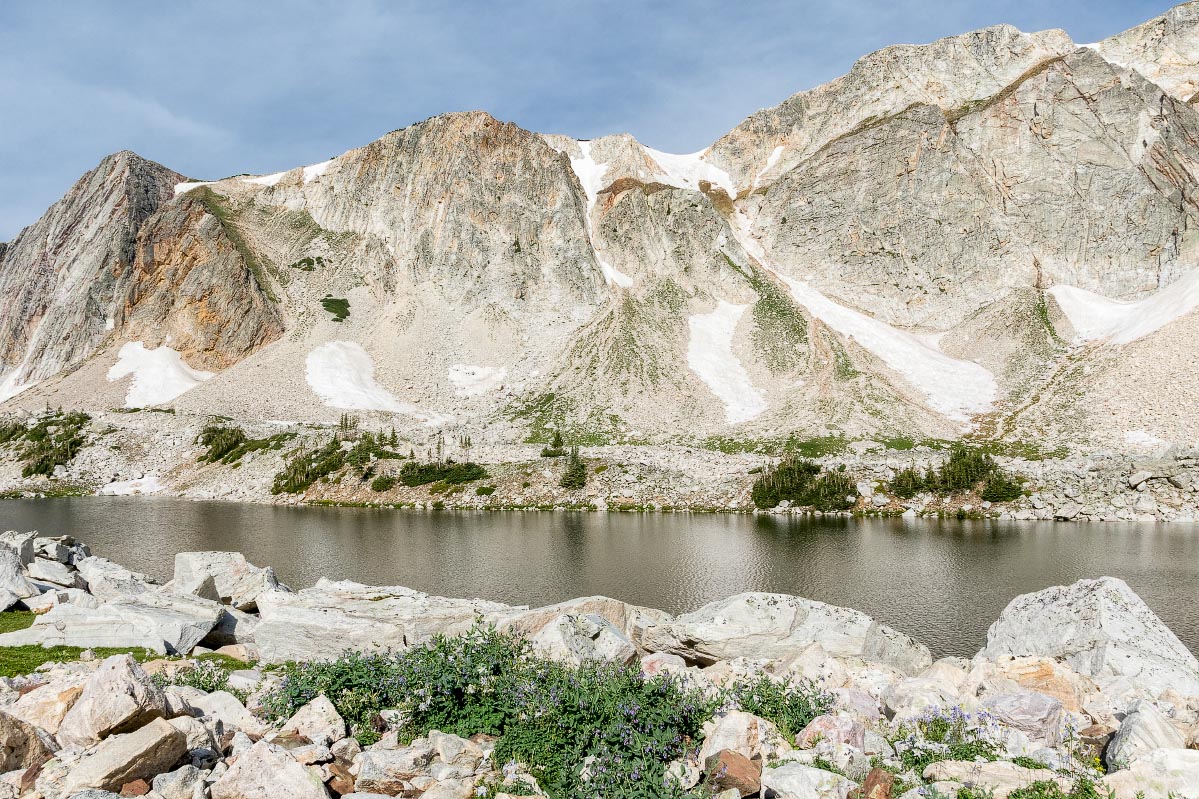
<point>220,441</point>
<point>548,715</point>
<point>790,705</point>
<point>205,675</point>
<point>554,450</point>
<point>384,482</point>
<point>965,468</point>
<point>485,491</point>
<point>800,482</point>
<point>1001,488</point>
<point>574,476</point>
<point>414,474</point>
<point>937,735</point>
<point>907,483</point>
<point>54,440</point>
<point>306,467</point>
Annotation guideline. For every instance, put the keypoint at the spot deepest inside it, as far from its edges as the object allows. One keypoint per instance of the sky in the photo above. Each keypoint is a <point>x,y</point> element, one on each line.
<point>224,87</point>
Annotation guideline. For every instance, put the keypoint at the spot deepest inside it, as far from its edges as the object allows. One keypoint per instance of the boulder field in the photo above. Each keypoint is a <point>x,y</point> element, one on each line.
<point>1072,679</point>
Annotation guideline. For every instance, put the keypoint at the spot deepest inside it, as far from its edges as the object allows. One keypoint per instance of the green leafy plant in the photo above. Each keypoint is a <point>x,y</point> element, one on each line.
<point>384,482</point>
<point>789,704</point>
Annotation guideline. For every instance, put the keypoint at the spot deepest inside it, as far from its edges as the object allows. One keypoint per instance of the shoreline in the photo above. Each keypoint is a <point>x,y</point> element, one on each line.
<point>860,702</point>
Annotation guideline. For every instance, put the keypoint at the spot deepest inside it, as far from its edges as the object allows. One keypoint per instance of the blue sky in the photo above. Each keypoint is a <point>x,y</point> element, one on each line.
<point>218,87</point>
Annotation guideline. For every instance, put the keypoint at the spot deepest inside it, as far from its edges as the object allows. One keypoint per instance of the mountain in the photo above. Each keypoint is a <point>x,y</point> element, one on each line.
<point>988,234</point>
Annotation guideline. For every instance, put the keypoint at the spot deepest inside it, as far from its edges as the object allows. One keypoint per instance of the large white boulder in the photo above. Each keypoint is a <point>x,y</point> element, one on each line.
<point>744,733</point>
<point>117,697</point>
<point>237,581</point>
<point>107,580</point>
<point>573,639</point>
<point>319,622</point>
<point>1102,629</point>
<point>267,771</point>
<point>1157,774</point>
<point>999,777</point>
<point>1143,730</point>
<point>318,721</point>
<point>12,579</point>
<point>761,625</point>
<point>21,544</point>
<point>162,622</point>
<point>631,620</point>
<point>47,705</point>
<point>140,755</point>
<point>797,781</point>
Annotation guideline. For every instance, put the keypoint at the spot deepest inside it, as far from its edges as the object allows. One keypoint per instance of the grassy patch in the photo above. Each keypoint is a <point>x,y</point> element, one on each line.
<point>216,204</point>
<point>53,440</point>
<point>338,307</point>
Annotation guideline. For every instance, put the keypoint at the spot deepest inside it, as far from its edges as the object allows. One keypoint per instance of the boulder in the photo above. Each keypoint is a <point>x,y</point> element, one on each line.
<point>202,586</point>
<point>338,616</point>
<point>52,549</point>
<point>728,769</point>
<point>1156,774</point>
<point>237,581</point>
<point>22,745</point>
<point>12,579</point>
<point>999,777</point>
<point>107,580</point>
<point>121,759</point>
<point>744,733</point>
<point>61,596</point>
<point>1102,629</point>
<point>764,625</point>
<point>229,710</point>
<point>21,544</point>
<point>1040,717</point>
<point>161,622</point>
<point>267,771</point>
<point>389,771</point>
<point>914,696</point>
<point>117,697</point>
<point>52,571</point>
<point>633,621</point>
<point>797,781</point>
<point>1143,730</point>
<point>837,729</point>
<point>318,721</point>
<point>573,639</point>
<point>46,705</point>
<point>236,628</point>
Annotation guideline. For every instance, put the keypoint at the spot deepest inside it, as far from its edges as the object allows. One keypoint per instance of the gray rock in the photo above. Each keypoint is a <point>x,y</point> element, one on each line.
<point>266,771</point>
<point>1143,730</point>
<point>117,697</point>
<point>107,580</point>
<point>574,638</point>
<point>142,754</point>
<point>797,781</point>
<point>53,571</point>
<point>22,745</point>
<point>761,625</point>
<point>180,783</point>
<point>12,580</point>
<point>237,581</point>
<point>318,721</point>
<point>1102,629</point>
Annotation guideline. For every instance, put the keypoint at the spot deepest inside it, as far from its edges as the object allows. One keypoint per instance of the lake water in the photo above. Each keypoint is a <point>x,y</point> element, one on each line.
<point>943,582</point>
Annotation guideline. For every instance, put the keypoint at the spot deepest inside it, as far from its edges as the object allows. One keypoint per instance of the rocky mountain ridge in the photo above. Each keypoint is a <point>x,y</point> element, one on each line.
<point>989,235</point>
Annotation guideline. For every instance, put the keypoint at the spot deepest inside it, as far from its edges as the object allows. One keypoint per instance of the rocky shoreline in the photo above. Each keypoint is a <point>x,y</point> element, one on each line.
<point>1078,685</point>
<point>158,453</point>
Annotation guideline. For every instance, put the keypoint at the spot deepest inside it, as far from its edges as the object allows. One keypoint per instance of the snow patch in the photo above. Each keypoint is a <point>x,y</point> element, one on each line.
<point>316,170</point>
<point>265,180</point>
<point>183,188</point>
<point>710,356</point>
<point>686,171</point>
<point>957,389</point>
<point>591,177</point>
<point>471,381</point>
<point>149,484</point>
<point>1140,438</point>
<point>159,375</point>
<point>773,159</point>
<point>342,374</point>
<point>1095,317</point>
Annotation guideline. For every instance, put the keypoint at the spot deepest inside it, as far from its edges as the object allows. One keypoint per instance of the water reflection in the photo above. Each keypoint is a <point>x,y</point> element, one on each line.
<point>943,581</point>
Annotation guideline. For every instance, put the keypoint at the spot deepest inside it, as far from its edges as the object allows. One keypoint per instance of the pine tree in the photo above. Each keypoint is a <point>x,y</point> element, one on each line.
<point>574,476</point>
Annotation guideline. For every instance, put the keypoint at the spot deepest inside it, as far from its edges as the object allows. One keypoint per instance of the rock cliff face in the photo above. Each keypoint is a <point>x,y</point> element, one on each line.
<point>943,237</point>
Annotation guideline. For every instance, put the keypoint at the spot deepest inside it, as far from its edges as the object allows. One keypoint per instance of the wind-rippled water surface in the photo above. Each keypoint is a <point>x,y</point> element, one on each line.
<point>943,582</point>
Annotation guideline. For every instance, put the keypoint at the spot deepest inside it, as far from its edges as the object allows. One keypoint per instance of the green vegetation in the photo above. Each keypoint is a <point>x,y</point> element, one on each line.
<point>968,469</point>
<point>307,264</point>
<point>800,482</point>
<point>574,476</point>
<point>229,444</point>
<point>549,415</point>
<point>383,482</point>
<point>414,474</point>
<point>555,449</point>
<point>485,491</point>
<point>18,660</point>
<point>53,440</point>
<point>339,307</point>
<point>206,675</point>
<point>1083,788</point>
<point>550,716</point>
<point>307,466</point>
<point>817,447</point>
<point>942,735</point>
<point>216,204</point>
